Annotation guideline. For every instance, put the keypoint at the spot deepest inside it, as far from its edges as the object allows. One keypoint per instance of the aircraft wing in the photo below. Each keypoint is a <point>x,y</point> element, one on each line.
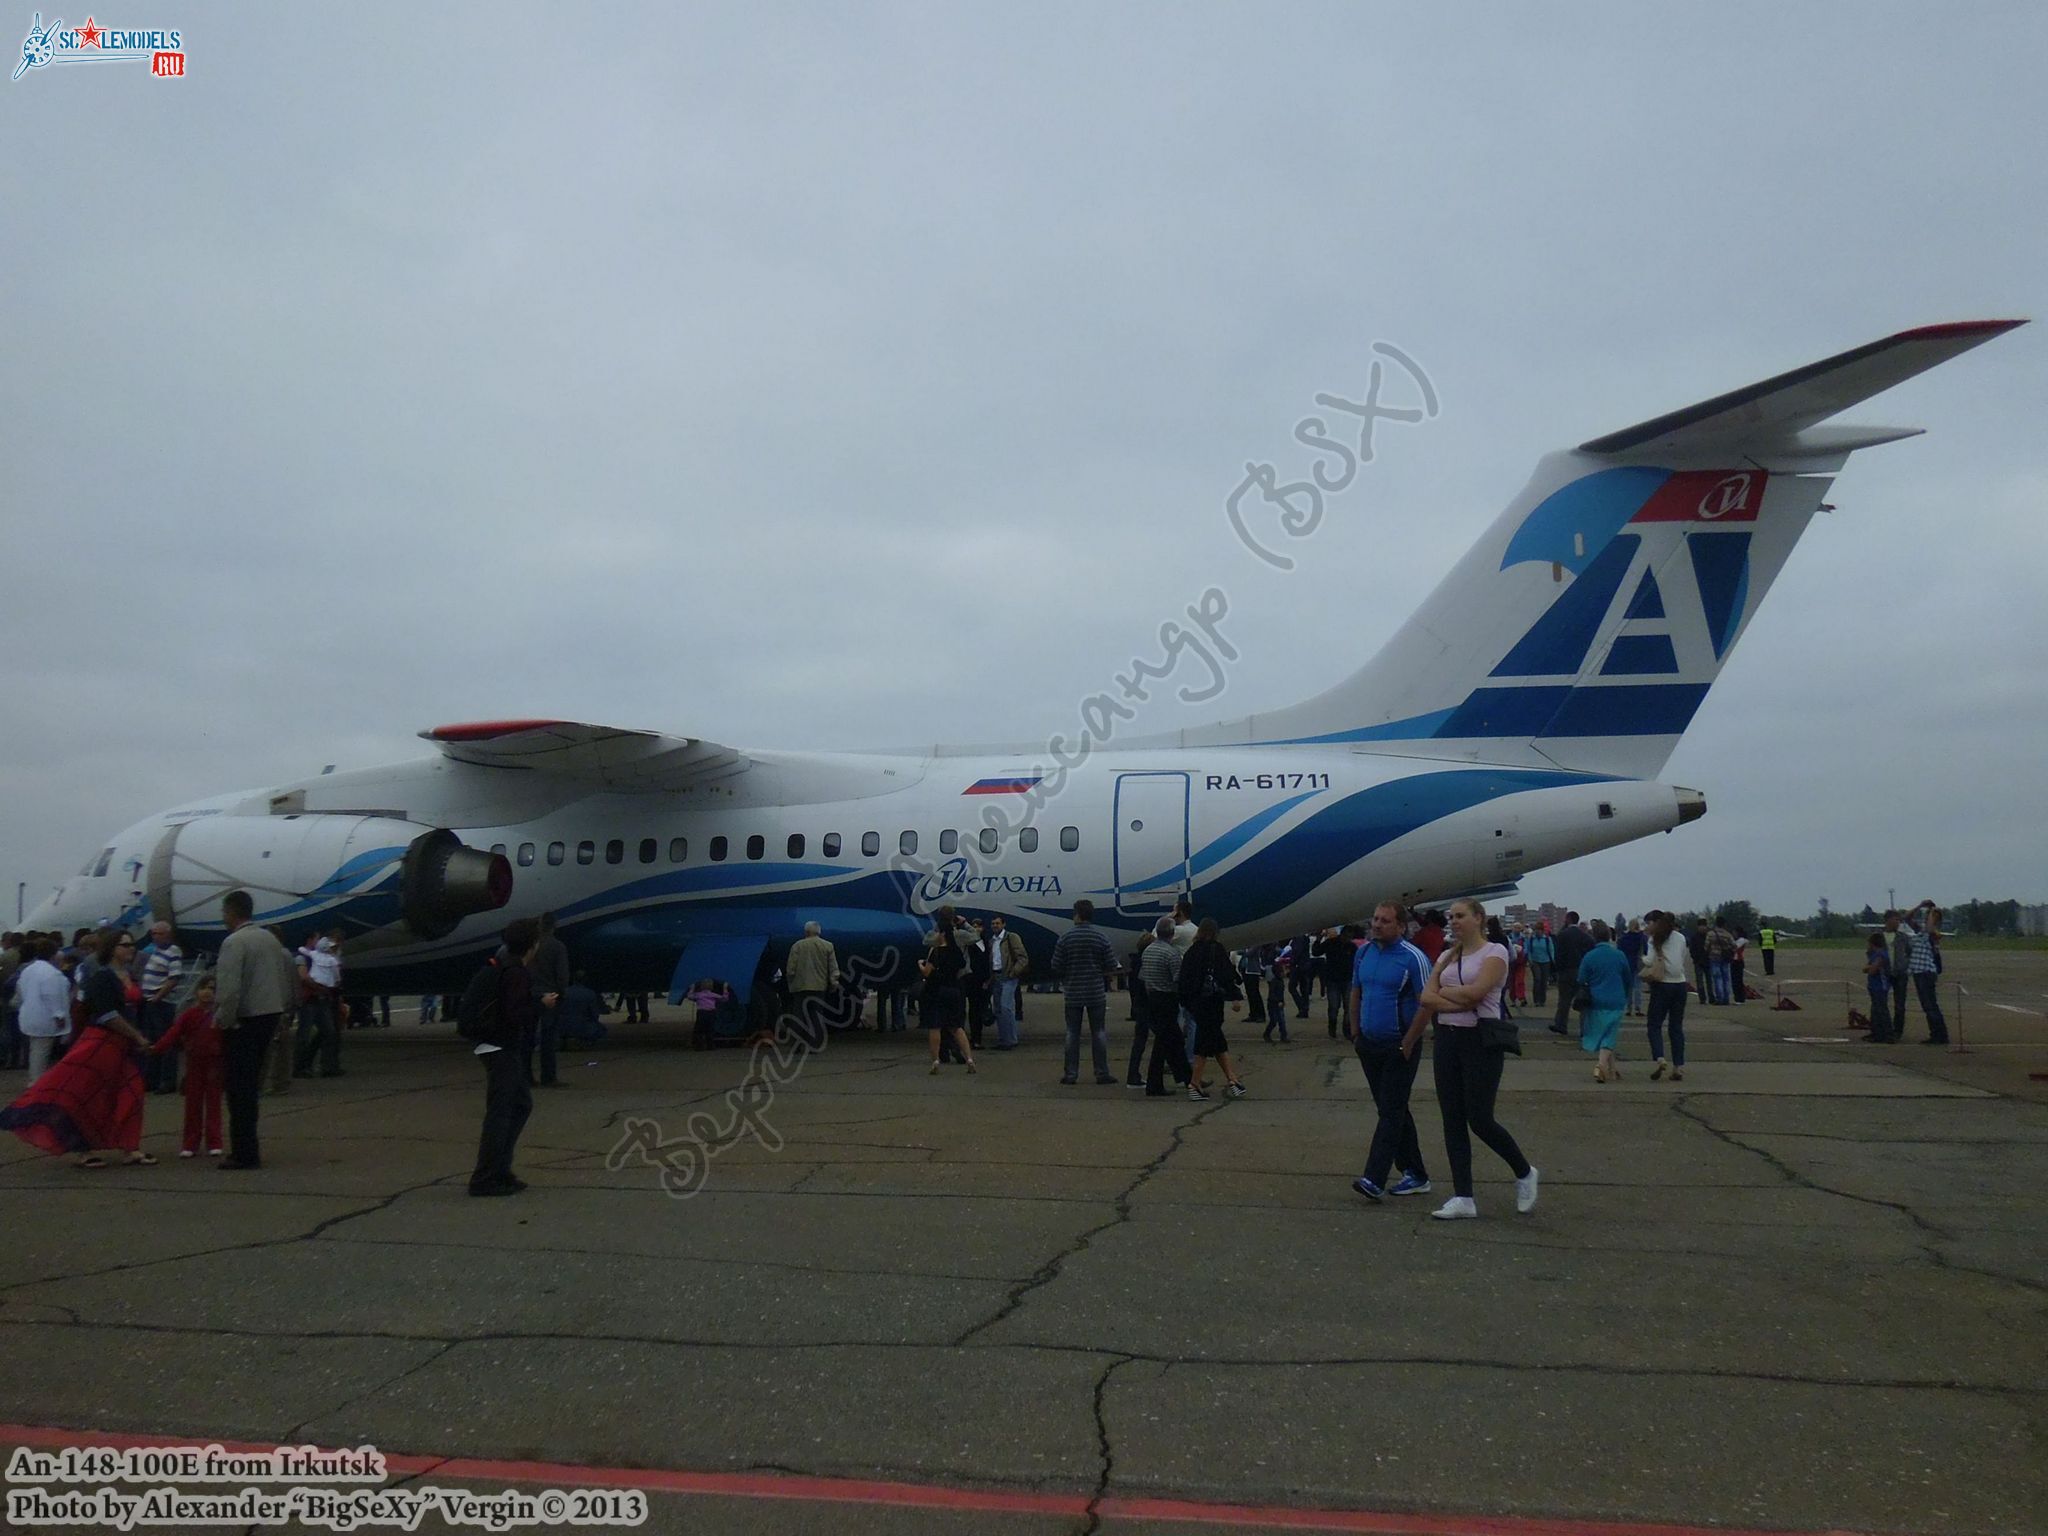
<point>601,755</point>
<point>1786,406</point>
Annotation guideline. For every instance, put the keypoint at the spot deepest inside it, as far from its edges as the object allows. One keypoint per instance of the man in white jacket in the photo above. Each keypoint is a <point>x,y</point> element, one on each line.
<point>44,994</point>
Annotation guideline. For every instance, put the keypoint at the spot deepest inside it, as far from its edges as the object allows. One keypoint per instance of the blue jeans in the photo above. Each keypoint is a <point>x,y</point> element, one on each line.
<point>1004,990</point>
<point>1667,1003</point>
<point>1635,991</point>
<point>1717,982</point>
<point>1098,1037</point>
<point>1924,985</point>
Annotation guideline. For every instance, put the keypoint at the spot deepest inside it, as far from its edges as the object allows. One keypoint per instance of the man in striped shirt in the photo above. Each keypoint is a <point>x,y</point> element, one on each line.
<point>163,964</point>
<point>1159,968</point>
<point>1084,960</point>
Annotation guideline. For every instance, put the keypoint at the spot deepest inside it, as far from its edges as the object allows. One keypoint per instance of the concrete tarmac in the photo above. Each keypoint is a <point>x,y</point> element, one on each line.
<point>1803,1289</point>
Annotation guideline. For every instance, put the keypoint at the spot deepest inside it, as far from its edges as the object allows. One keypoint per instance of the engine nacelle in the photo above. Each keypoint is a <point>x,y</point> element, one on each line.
<point>313,871</point>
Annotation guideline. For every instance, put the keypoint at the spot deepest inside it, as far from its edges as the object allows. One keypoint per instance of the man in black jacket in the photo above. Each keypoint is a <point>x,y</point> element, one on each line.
<point>551,976</point>
<point>507,1098</point>
<point>1572,945</point>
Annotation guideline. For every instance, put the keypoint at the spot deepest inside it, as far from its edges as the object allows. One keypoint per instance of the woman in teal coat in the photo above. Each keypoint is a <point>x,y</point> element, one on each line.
<point>1604,974</point>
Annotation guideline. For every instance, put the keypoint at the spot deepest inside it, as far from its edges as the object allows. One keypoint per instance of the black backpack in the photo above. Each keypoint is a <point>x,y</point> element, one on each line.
<point>477,1016</point>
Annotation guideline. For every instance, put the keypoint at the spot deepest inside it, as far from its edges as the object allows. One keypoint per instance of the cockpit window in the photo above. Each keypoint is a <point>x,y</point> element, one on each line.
<point>100,868</point>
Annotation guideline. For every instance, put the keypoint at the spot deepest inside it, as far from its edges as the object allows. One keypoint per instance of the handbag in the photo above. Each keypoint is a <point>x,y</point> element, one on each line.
<point>1500,1035</point>
<point>1496,1034</point>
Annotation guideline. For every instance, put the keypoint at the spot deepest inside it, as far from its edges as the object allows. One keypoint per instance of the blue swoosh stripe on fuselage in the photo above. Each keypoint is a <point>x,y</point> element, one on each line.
<point>713,883</point>
<point>1339,835</point>
<point>1218,849</point>
<point>1358,825</point>
<point>357,869</point>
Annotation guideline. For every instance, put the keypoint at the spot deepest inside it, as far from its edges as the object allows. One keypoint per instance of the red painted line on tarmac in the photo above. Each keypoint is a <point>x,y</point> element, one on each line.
<point>838,1490</point>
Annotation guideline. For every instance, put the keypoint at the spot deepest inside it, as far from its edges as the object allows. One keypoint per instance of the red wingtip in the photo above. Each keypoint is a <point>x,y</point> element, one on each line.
<point>1957,328</point>
<point>484,730</point>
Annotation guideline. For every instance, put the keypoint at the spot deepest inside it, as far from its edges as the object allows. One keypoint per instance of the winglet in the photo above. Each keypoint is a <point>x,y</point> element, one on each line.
<point>1780,408</point>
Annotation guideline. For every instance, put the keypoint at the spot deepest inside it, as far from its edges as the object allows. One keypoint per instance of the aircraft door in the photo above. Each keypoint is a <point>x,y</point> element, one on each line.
<point>1151,841</point>
<point>162,893</point>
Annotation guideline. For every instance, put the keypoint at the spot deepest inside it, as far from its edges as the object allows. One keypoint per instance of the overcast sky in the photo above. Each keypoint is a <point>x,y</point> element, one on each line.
<point>839,377</point>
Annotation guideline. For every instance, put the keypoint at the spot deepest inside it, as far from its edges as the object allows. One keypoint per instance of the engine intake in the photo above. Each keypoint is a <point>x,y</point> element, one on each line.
<point>444,881</point>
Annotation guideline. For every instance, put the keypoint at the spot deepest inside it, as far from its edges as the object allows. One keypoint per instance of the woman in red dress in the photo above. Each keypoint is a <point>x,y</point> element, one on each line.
<point>91,1101</point>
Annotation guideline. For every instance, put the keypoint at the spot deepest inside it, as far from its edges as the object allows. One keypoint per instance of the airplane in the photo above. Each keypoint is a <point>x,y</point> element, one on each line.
<point>1519,718</point>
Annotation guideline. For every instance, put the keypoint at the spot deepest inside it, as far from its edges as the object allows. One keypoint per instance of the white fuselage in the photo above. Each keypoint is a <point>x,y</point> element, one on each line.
<point>1269,841</point>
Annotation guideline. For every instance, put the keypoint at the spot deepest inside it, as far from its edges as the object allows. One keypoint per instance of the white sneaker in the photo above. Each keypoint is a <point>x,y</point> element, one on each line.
<point>1456,1208</point>
<point>1525,1191</point>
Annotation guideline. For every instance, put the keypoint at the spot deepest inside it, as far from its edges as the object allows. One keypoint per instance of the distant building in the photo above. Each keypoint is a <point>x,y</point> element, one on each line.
<point>1523,915</point>
<point>2034,921</point>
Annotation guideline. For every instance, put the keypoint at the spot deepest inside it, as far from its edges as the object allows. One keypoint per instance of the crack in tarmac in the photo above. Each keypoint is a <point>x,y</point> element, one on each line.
<point>1050,1270</point>
<point>1117,1356</point>
<point>292,1435</point>
<point>326,1224</point>
<point>1682,1107</point>
<point>1103,1447</point>
<point>610,1254</point>
<point>1934,1234</point>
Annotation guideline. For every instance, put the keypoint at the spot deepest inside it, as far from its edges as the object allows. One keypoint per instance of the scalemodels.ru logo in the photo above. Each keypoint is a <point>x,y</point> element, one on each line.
<point>163,51</point>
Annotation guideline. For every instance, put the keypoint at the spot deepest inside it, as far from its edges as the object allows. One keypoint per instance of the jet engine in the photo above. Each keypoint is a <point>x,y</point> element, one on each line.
<point>306,871</point>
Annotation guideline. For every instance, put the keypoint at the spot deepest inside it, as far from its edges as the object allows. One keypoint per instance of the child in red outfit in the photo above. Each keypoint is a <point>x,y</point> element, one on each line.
<point>194,1030</point>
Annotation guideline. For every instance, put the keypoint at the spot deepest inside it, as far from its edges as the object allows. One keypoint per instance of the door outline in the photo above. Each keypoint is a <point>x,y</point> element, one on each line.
<point>1125,843</point>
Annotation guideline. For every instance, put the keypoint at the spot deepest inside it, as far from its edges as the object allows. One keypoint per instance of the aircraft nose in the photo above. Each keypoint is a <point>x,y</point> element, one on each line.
<point>1692,805</point>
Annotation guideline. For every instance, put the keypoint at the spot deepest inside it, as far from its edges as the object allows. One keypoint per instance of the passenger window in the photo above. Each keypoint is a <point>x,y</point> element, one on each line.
<point>718,850</point>
<point>988,839</point>
<point>831,845</point>
<point>756,846</point>
<point>586,852</point>
<point>907,843</point>
<point>615,852</point>
<point>871,844</point>
<point>1027,840</point>
<point>498,849</point>
<point>796,845</point>
<point>648,850</point>
<point>678,849</point>
<point>1070,839</point>
<point>556,852</point>
<point>525,855</point>
<point>949,841</point>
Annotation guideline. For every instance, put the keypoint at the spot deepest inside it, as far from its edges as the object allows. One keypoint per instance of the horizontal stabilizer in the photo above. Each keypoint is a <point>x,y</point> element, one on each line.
<point>1782,407</point>
<point>602,754</point>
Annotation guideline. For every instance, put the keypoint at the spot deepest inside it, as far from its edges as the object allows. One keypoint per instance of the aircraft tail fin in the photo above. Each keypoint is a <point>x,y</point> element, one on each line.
<point>1585,628</point>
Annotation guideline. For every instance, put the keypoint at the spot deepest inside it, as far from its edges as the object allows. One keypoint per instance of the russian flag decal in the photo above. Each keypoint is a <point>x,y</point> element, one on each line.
<point>1018,785</point>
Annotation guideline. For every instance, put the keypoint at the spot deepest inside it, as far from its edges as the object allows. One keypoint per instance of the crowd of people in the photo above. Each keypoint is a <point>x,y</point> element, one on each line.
<point>102,1021</point>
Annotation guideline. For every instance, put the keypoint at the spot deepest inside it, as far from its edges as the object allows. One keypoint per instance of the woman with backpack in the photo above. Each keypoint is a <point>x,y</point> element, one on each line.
<point>1207,981</point>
